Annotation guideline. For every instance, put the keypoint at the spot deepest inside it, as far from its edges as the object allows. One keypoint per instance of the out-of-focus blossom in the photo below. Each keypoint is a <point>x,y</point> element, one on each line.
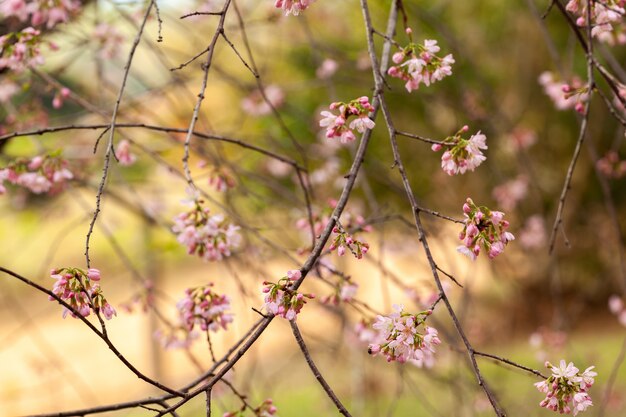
<point>533,233</point>
<point>327,69</point>
<point>565,96</point>
<point>256,105</point>
<point>293,7</point>
<point>108,41</point>
<point>41,174</point>
<point>509,194</point>
<point>611,166</point>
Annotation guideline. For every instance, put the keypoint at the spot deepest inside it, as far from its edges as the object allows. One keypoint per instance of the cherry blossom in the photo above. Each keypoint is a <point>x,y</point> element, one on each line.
<point>611,166</point>
<point>461,155</point>
<point>123,154</point>
<point>327,69</point>
<point>81,290</point>
<point>616,306</point>
<point>281,300</point>
<point>204,307</point>
<point>41,174</point>
<point>566,389</point>
<point>108,40</point>
<point>483,229</point>
<point>606,19</point>
<point>420,64</point>
<point>293,7</point>
<point>48,12</point>
<point>509,194</point>
<point>565,96</point>
<point>405,337</point>
<point>533,234</point>
<point>344,241</point>
<point>256,105</point>
<point>210,237</point>
<point>337,124</point>
<point>20,50</point>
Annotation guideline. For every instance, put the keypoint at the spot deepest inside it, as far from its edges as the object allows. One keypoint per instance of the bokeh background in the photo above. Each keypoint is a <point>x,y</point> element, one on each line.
<point>525,305</point>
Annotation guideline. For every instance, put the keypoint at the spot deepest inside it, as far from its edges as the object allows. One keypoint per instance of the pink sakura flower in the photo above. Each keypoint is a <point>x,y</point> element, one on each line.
<point>42,174</point>
<point>566,389</point>
<point>16,8</point>
<point>108,41</point>
<point>221,180</point>
<point>484,229</point>
<point>210,237</point>
<point>281,300</point>
<point>420,64</point>
<point>124,156</point>
<point>20,50</point>
<point>565,96</point>
<point>404,337</point>
<point>204,307</point>
<point>509,194</point>
<point>81,290</point>
<point>616,306</point>
<point>256,105</point>
<point>327,69</point>
<point>461,155</point>
<point>336,124</point>
<point>606,19</point>
<point>343,241</point>
<point>7,90</point>
<point>611,166</point>
<point>293,7</point>
<point>59,97</point>
<point>533,234</point>
<point>344,292</point>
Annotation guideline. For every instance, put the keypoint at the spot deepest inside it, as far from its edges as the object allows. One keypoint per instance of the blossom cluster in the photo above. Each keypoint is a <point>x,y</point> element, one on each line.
<point>283,301</point>
<point>210,237</point>
<point>419,64</point>
<point>343,240</point>
<point>509,194</point>
<point>221,180</point>
<point>344,292</point>
<point>293,7</point>
<point>20,50</point>
<point>204,307</point>
<point>350,221</point>
<point>461,155</point>
<point>48,12</point>
<point>123,154</point>
<point>567,388</point>
<point>606,18</point>
<point>41,174</point>
<point>108,40</point>
<point>565,96</point>
<point>260,104</point>
<point>81,290</point>
<point>484,229</point>
<point>611,166</point>
<point>404,337</point>
<point>616,306</point>
<point>336,124</point>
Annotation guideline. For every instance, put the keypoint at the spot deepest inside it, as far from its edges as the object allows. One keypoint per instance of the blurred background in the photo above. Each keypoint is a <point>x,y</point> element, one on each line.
<point>525,305</point>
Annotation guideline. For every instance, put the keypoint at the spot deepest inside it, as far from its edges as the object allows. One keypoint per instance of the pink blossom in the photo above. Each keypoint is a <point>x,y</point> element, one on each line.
<point>611,166</point>
<point>483,229</point>
<point>124,156</point>
<point>606,18</point>
<point>422,65</point>
<point>566,389</point>
<point>616,305</point>
<point>293,7</point>
<point>20,50</point>
<point>281,300</point>
<point>509,194</point>
<point>533,234</point>
<point>327,69</point>
<point>108,41</point>
<point>402,339</point>
<point>461,154</point>
<point>336,124</point>
<point>564,96</point>
<point>256,105</point>
<point>81,290</point>
<point>210,237</point>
